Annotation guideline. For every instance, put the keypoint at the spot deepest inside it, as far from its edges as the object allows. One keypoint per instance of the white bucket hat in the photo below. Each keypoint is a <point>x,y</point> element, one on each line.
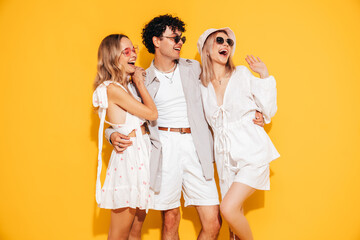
<point>207,33</point>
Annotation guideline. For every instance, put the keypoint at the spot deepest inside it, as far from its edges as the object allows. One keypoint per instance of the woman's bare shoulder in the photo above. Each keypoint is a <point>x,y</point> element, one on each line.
<point>114,89</point>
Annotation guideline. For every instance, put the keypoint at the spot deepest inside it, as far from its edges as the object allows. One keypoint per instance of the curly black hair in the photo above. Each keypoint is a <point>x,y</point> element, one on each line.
<point>157,27</point>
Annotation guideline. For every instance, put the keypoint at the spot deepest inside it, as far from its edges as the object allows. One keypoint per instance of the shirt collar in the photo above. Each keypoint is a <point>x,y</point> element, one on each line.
<point>151,75</point>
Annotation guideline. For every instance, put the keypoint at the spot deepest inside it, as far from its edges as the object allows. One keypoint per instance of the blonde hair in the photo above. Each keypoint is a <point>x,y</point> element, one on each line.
<point>207,72</point>
<point>108,67</point>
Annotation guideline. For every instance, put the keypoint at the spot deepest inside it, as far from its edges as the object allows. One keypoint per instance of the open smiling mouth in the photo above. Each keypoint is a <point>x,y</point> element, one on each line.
<point>224,52</point>
<point>132,62</point>
<point>177,49</point>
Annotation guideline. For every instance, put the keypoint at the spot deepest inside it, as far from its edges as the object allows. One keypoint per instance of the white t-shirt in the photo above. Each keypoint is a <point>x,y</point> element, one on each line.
<point>170,101</point>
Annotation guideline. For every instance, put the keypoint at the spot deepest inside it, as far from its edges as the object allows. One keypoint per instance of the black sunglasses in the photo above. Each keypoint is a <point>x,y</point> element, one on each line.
<point>177,38</point>
<point>220,40</point>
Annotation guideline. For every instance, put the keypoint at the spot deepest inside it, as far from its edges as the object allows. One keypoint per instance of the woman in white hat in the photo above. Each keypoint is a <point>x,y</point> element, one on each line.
<point>231,96</point>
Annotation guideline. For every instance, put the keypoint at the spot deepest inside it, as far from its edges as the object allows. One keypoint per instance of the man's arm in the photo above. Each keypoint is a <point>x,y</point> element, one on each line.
<point>119,141</point>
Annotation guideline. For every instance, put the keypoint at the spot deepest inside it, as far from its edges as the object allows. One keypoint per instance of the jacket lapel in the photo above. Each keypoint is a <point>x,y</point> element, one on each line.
<point>152,83</point>
<point>185,79</point>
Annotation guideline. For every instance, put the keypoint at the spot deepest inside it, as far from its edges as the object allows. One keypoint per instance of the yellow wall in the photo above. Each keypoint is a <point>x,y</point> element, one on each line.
<point>48,129</point>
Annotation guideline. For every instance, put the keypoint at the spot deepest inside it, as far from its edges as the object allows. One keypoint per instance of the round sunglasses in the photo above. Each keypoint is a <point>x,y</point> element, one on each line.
<point>177,39</point>
<point>127,51</point>
<point>220,40</point>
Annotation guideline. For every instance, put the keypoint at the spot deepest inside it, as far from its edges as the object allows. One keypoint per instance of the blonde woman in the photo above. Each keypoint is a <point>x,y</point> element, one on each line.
<point>126,189</point>
<point>231,96</point>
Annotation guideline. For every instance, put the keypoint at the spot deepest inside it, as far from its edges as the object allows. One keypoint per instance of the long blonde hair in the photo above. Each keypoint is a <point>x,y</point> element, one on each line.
<point>108,67</point>
<point>207,72</point>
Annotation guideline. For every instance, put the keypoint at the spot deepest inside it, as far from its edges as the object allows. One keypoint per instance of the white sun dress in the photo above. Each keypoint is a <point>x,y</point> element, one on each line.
<point>128,175</point>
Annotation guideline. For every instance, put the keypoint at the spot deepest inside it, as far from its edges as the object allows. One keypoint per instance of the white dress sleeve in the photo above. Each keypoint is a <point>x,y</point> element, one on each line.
<point>264,93</point>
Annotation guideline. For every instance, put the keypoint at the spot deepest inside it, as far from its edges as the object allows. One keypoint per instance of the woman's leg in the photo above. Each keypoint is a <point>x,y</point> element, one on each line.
<point>231,209</point>
<point>135,232</point>
<point>233,236</point>
<point>121,221</point>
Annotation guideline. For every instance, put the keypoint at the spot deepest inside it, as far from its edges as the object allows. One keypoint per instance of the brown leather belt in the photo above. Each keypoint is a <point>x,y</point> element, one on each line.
<point>179,130</point>
<point>144,130</point>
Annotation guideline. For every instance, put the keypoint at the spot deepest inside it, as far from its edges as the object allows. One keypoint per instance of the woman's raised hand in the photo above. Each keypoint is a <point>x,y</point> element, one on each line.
<point>139,75</point>
<point>257,66</point>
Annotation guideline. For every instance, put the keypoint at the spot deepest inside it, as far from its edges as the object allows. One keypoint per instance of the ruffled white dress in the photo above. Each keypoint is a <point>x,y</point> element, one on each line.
<point>237,140</point>
<point>127,182</point>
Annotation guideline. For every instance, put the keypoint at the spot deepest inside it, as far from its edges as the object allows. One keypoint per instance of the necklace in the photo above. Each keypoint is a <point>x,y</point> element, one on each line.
<point>222,79</point>
<point>219,81</point>
<point>167,72</point>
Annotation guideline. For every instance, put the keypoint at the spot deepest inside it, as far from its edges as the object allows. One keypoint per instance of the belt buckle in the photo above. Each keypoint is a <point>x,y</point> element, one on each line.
<point>182,131</point>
